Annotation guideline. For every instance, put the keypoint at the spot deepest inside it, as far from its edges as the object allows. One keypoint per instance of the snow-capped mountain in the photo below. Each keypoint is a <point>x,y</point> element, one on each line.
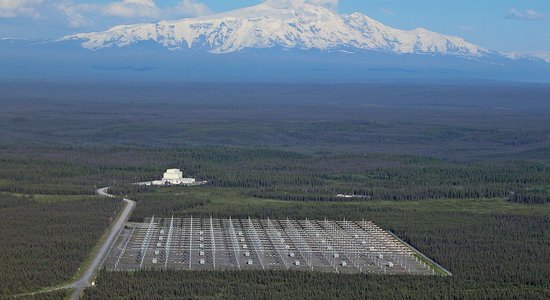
<point>545,56</point>
<point>289,24</point>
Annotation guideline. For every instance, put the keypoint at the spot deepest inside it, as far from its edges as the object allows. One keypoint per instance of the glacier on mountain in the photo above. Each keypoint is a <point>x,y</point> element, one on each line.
<point>289,24</point>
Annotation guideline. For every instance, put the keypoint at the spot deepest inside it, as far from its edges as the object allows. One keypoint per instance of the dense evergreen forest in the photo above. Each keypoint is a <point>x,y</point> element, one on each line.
<point>294,285</point>
<point>477,248</point>
<point>460,172</point>
<point>245,182</point>
<point>535,195</point>
<point>491,255</point>
<point>265,173</point>
<point>455,121</point>
<point>45,241</point>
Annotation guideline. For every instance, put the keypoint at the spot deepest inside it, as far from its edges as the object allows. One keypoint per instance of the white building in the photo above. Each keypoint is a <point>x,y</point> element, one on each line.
<point>173,177</point>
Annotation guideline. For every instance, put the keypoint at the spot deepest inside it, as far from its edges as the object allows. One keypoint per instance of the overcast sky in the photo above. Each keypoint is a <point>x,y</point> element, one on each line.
<point>506,25</point>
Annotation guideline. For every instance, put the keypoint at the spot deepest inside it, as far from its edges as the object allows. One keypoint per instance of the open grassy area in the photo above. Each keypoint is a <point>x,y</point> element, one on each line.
<point>59,198</point>
<point>53,295</point>
<point>50,198</point>
<point>231,202</point>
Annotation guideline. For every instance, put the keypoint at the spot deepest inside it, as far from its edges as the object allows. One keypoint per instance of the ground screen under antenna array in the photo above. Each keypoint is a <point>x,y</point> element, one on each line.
<point>252,244</point>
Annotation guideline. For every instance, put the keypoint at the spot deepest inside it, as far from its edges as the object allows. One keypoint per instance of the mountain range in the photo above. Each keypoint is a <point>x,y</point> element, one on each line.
<point>288,24</point>
<point>276,40</point>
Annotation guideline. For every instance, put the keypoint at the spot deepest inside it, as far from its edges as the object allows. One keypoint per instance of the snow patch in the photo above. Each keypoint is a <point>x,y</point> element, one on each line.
<point>287,24</point>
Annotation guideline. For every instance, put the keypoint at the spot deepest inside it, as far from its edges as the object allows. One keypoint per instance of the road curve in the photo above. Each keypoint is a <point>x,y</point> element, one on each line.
<point>87,277</point>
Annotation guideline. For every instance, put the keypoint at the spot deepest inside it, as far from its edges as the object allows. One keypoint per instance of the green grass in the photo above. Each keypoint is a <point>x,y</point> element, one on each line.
<point>541,189</point>
<point>46,295</point>
<point>5,182</point>
<point>60,198</point>
<point>53,198</point>
<point>231,200</point>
